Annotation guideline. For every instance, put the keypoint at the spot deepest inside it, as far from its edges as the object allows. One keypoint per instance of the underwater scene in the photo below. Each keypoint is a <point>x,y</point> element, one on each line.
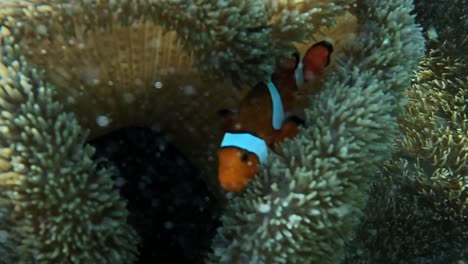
<point>233,131</point>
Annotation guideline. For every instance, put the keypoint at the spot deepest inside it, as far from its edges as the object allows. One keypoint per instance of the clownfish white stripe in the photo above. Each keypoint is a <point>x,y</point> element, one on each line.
<point>299,74</point>
<point>248,142</point>
<point>278,111</point>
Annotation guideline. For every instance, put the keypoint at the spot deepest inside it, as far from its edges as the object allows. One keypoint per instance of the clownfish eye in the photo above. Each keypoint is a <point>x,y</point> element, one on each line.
<point>244,157</point>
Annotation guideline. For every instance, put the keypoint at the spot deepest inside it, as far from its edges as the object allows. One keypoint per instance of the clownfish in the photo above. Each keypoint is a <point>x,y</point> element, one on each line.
<point>261,122</point>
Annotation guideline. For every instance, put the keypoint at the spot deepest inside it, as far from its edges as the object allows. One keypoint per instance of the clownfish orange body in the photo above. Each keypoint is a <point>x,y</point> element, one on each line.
<point>260,121</point>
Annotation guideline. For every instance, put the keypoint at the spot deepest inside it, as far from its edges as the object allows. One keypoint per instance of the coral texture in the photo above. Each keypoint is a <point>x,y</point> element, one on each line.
<point>418,209</point>
<point>69,67</point>
<point>60,208</point>
<point>304,205</point>
<point>114,65</point>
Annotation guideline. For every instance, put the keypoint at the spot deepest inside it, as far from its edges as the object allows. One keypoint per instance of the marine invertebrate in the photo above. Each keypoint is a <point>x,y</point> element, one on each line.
<point>129,69</point>
<point>110,65</point>
<point>60,208</point>
<point>304,205</point>
<point>418,208</point>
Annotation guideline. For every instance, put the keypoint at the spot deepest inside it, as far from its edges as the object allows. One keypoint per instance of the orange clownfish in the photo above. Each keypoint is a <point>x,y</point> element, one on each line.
<point>260,121</point>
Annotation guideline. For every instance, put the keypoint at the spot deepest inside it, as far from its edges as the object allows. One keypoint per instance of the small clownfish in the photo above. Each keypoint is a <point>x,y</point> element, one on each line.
<point>260,121</point>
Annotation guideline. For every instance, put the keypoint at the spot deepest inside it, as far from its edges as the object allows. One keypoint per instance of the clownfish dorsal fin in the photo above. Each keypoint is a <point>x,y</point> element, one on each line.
<point>229,118</point>
<point>316,59</point>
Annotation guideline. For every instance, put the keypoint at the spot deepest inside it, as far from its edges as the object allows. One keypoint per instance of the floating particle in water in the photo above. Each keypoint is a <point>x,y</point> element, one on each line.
<point>155,203</point>
<point>89,75</point>
<point>120,181</point>
<point>188,90</point>
<point>162,146</point>
<point>432,33</point>
<point>43,51</point>
<point>128,98</point>
<point>168,225</point>
<point>158,85</point>
<point>71,100</point>
<point>3,236</point>
<point>154,43</point>
<point>138,82</point>
<point>156,127</point>
<point>41,29</point>
<point>141,185</point>
<point>102,121</point>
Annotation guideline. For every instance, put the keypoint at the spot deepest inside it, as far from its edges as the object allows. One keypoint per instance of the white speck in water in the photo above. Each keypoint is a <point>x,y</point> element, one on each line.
<point>189,90</point>
<point>89,75</point>
<point>129,98</point>
<point>158,85</point>
<point>3,236</point>
<point>102,121</point>
<point>120,181</point>
<point>154,43</point>
<point>264,208</point>
<point>19,24</point>
<point>168,225</point>
<point>156,127</point>
<point>81,46</point>
<point>41,29</point>
<point>110,83</point>
<point>138,82</point>
<point>71,41</point>
<point>162,147</point>
<point>43,51</point>
<point>432,33</point>
<point>71,100</point>
<point>154,202</point>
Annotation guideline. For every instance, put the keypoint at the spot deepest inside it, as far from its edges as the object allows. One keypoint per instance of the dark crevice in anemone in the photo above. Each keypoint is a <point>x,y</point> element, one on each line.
<point>170,206</point>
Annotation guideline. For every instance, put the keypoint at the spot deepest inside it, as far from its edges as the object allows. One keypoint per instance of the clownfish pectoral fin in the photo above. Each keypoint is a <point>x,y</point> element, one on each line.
<point>316,59</point>
<point>289,129</point>
<point>229,118</point>
<point>236,168</point>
